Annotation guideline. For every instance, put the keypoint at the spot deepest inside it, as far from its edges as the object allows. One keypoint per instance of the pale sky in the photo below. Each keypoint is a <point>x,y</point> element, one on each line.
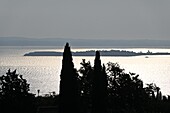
<point>108,19</point>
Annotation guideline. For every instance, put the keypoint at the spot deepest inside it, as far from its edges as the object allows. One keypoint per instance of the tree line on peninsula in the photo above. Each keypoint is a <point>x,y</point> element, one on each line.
<point>92,53</point>
<point>91,89</point>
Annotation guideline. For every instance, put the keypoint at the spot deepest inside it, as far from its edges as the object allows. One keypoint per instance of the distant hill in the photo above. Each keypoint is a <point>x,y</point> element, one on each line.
<point>21,41</point>
<point>92,53</point>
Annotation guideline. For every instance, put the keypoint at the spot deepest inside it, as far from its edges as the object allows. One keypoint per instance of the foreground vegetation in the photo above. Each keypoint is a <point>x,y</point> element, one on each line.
<point>91,89</point>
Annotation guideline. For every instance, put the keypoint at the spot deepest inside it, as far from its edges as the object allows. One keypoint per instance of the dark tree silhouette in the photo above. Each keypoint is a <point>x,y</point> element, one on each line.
<point>99,87</point>
<point>68,84</point>
<point>126,92</point>
<point>153,91</point>
<point>14,94</point>
<point>85,85</point>
<point>85,79</point>
<point>155,99</point>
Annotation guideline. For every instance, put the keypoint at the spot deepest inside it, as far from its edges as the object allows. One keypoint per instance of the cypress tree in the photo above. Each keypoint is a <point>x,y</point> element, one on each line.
<point>68,84</point>
<point>99,87</point>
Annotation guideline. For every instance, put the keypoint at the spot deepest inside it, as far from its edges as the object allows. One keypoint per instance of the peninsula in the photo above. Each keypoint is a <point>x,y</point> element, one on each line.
<point>92,53</point>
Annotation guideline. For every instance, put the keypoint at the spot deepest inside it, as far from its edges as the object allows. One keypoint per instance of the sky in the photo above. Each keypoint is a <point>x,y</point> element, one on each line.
<point>86,19</point>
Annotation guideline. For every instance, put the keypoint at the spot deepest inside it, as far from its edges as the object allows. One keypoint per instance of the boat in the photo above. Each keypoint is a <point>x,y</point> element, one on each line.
<point>146,57</point>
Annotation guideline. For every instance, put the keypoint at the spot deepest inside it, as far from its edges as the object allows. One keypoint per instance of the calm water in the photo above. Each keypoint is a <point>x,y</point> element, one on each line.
<point>43,72</point>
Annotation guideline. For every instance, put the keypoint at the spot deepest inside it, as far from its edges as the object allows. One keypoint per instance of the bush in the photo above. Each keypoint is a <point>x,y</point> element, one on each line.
<point>14,94</point>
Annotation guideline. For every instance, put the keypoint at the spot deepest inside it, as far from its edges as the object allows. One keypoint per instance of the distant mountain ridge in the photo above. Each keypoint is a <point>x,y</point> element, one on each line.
<point>92,53</point>
<point>19,41</point>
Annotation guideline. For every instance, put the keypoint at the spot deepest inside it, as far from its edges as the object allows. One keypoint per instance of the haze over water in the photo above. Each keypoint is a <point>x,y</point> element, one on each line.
<point>43,72</point>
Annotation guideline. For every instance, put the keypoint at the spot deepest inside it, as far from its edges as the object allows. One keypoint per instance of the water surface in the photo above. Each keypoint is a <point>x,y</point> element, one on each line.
<point>43,72</point>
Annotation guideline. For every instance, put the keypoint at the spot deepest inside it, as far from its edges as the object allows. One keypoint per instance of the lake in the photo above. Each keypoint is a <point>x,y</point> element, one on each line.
<point>43,72</point>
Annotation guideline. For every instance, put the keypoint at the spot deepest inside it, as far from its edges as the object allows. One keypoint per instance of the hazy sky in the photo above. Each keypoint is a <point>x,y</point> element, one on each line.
<point>109,19</point>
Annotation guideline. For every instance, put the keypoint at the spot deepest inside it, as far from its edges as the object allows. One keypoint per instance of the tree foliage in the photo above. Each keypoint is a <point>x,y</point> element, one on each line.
<point>68,84</point>
<point>14,94</point>
<point>124,90</point>
<point>99,87</point>
<point>13,84</point>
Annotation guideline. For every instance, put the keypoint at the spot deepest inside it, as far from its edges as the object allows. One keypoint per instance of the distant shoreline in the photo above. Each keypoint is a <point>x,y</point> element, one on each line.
<point>92,53</point>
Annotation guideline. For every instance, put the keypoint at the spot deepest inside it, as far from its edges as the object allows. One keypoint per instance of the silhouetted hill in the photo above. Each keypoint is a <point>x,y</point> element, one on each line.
<point>92,53</point>
<point>23,41</point>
